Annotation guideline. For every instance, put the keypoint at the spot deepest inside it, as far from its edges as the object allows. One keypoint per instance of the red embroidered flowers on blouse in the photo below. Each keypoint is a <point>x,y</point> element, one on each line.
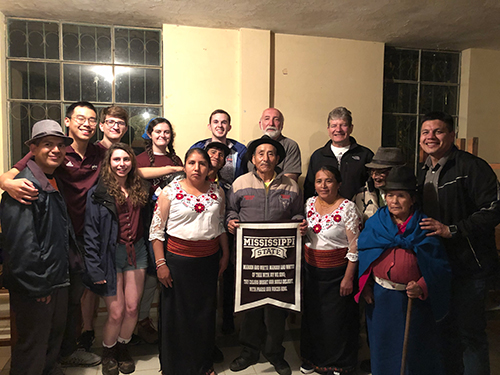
<point>317,228</point>
<point>198,207</point>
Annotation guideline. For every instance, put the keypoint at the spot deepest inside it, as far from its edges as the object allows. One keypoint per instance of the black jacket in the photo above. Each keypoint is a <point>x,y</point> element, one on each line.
<point>469,197</point>
<point>37,239</point>
<point>352,168</point>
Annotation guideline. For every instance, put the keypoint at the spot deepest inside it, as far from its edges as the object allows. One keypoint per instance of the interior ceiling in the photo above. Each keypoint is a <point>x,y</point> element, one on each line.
<point>438,24</point>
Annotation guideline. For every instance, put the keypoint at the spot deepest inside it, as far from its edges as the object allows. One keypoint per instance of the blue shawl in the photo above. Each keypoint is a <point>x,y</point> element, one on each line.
<point>381,233</point>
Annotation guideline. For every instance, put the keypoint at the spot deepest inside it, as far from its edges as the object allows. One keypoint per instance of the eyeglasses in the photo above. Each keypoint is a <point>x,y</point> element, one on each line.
<point>112,123</point>
<point>80,120</point>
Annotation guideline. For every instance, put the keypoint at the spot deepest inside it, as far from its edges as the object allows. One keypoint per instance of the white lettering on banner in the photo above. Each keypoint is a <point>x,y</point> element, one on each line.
<point>283,241</point>
<point>269,251</point>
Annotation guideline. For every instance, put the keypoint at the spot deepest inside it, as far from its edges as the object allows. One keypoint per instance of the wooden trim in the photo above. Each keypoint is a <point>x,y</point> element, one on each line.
<point>473,145</point>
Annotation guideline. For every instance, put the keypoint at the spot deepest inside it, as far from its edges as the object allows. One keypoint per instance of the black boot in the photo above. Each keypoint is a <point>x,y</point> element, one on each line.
<point>126,364</point>
<point>109,363</point>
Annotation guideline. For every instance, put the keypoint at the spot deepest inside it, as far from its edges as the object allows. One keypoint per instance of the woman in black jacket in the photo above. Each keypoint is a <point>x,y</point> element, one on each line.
<point>116,256</point>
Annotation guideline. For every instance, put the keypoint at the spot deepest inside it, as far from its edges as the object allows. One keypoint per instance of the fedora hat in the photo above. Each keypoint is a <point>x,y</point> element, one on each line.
<point>386,157</point>
<point>265,139</point>
<point>401,177</point>
<point>45,128</point>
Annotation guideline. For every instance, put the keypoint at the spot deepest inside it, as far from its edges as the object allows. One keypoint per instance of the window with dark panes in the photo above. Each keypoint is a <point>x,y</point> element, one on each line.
<point>416,82</point>
<point>53,64</point>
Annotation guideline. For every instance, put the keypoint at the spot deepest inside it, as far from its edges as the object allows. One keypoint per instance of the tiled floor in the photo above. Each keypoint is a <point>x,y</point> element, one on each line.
<point>146,356</point>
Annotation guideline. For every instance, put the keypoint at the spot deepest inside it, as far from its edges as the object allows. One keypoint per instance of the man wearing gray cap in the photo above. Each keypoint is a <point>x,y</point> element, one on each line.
<point>371,198</point>
<point>37,240</point>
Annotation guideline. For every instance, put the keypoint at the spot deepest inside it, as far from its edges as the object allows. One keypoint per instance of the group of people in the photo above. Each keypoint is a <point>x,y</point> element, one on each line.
<point>82,219</point>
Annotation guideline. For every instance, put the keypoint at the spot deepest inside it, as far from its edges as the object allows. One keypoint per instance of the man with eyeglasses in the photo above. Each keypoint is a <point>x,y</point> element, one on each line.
<point>113,125</point>
<point>343,152</point>
<point>77,174</point>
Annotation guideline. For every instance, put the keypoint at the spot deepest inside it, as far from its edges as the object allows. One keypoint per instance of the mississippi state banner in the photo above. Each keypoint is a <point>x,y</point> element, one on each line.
<point>268,265</point>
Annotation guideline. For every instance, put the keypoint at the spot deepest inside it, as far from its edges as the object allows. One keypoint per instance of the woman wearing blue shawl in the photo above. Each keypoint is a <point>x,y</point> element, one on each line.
<point>397,261</point>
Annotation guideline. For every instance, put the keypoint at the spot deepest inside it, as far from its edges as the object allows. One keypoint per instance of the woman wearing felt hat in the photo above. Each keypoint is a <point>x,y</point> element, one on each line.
<point>397,261</point>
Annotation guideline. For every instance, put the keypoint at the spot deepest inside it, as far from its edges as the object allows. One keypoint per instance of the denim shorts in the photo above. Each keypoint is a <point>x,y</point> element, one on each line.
<point>141,257</point>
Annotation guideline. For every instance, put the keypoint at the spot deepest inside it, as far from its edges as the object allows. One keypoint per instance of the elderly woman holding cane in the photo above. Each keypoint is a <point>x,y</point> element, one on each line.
<point>398,260</point>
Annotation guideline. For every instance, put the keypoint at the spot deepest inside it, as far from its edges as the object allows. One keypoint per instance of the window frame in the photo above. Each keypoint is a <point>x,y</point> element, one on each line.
<point>157,108</point>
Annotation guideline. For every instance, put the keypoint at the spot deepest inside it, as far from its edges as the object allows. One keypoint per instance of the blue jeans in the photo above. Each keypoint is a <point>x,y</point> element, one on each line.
<point>463,331</point>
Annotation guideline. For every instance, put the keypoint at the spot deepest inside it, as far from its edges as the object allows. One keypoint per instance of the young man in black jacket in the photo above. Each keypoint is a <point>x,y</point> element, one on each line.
<point>461,197</point>
<point>37,240</point>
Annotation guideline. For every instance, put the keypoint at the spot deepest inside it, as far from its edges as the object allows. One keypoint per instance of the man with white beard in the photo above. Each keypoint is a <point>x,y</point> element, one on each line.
<point>271,123</point>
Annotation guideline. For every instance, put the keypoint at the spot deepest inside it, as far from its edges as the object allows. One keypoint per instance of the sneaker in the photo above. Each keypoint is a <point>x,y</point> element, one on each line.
<point>109,363</point>
<point>80,358</point>
<point>86,340</point>
<point>146,331</point>
<point>126,364</point>
<point>306,368</point>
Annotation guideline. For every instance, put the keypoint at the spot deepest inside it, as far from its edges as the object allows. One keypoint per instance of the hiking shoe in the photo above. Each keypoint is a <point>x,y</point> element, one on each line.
<point>80,358</point>
<point>109,363</point>
<point>86,340</point>
<point>147,331</point>
<point>126,364</point>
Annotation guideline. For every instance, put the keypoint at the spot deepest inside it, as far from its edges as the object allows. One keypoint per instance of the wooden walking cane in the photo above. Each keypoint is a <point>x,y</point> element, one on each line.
<point>407,334</point>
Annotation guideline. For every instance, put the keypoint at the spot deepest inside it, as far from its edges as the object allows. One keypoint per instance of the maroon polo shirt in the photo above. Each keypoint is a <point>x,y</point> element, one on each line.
<point>77,176</point>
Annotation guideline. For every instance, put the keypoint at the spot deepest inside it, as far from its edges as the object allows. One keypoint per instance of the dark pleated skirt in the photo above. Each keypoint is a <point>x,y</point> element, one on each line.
<point>386,320</point>
<point>187,316</point>
<point>330,323</point>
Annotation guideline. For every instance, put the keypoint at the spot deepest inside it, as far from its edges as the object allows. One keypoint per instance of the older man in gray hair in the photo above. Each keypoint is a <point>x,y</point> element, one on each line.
<point>342,152</point>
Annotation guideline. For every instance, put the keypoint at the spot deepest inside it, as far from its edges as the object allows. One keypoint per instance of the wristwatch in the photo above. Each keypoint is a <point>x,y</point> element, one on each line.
<point>453,230</point>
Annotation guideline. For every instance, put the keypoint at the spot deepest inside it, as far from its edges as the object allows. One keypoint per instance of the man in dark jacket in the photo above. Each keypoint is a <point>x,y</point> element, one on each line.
<point>343,153</point>
<point>461,197</point>
<point>36,256</point>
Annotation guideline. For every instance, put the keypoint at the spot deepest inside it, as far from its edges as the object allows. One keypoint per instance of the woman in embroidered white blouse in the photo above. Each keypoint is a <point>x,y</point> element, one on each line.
<point>192,211</point>
<point>329,332</point>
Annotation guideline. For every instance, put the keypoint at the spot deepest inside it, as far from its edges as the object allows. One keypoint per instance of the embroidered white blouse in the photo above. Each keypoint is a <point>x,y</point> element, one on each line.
<point>335,230</point>
<point>191,217</point>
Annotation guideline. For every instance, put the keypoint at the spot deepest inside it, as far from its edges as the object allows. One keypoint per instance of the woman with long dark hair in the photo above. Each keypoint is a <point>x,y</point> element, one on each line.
<point>116,255</point>
<point>157,164</point>
<point>192,212</point>
<point>329,331</point>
